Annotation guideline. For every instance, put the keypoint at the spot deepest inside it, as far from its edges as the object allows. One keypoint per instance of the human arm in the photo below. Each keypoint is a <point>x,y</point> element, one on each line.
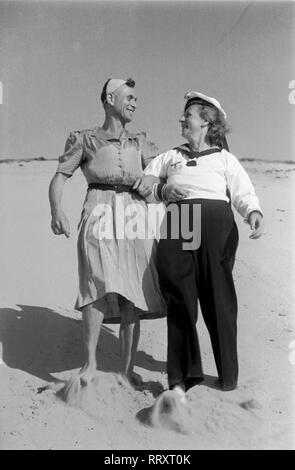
<point>153,173</point>
<point>144,185</point>
<point>243,195</point>
<point>149,151</point>
<point>59,222</point>
<point>154,185</point>
<point>154,190</point>
<point>68,163</point>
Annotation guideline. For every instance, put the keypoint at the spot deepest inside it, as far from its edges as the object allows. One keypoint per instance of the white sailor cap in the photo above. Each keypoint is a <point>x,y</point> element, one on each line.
<point>114,84</point>
<point>195,97</point>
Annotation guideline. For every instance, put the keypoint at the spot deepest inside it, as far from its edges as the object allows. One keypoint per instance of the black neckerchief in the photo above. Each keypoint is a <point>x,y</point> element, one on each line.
<point>192,154</point>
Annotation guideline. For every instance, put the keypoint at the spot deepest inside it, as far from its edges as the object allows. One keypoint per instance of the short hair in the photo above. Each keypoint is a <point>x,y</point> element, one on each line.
<point>217,127</point>
<point>129,82</point>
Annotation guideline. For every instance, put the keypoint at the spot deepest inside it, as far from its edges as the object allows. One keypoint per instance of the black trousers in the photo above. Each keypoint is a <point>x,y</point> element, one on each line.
<point>203,274</point>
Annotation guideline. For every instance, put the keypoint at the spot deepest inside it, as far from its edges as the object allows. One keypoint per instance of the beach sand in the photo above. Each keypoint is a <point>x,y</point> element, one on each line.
<point>41,334</point>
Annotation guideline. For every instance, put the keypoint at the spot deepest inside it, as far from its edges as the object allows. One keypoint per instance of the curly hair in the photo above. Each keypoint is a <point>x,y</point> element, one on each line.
<point>217,127</point>
<point>129,82</point>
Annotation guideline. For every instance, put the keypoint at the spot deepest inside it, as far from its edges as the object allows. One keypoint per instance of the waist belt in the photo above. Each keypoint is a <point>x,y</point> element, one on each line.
<point>118,188</point>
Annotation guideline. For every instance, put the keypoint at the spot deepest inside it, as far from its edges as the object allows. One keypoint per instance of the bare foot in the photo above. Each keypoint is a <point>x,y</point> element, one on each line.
<point>134,380</point>
<point>86,374</point>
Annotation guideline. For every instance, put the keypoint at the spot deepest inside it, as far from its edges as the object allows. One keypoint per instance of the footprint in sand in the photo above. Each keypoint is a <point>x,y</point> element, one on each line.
<point>250,405</point>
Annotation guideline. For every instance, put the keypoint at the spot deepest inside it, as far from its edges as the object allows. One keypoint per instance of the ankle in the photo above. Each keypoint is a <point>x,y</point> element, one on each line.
<point>90,364</point>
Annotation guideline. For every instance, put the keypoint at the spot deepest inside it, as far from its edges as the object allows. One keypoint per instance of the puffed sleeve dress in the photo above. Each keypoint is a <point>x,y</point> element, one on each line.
<point>115,253</point>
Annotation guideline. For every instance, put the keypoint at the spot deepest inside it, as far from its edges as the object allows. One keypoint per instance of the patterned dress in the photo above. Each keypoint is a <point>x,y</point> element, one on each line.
<point>113,265</point>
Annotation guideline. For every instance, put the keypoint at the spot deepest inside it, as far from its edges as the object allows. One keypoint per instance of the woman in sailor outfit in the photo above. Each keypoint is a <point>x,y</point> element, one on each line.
<point>202,173</point>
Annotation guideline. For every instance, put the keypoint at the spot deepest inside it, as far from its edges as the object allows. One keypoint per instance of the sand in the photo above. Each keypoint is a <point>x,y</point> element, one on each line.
<point>40,334</point>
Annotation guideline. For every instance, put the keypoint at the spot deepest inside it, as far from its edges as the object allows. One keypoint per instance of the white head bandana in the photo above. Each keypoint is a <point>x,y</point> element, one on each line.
<point>114,84</point>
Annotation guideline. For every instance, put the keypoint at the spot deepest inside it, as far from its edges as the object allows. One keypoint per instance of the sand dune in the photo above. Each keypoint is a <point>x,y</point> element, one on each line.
<point>41,347</point>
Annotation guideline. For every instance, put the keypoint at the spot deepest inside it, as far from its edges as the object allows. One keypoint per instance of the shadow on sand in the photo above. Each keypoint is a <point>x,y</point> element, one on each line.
<point>42,342</point>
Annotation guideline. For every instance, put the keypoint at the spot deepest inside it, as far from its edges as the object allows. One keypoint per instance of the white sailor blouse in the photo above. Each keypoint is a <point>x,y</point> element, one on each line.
<point>210,174</point>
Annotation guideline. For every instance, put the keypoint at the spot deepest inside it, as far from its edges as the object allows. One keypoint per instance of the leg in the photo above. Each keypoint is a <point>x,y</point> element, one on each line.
<point>129,338</point>
<point>219,308</point>
<point>217,291</point>
<point>92,320</point>
<point>177,275</point>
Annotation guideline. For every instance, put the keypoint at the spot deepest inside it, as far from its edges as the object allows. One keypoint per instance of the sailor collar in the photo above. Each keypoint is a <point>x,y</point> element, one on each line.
<point>193,155</point>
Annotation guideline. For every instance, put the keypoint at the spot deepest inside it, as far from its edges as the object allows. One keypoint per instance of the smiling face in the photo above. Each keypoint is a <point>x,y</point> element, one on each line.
<point>192,125</point>
<point>124,103</point>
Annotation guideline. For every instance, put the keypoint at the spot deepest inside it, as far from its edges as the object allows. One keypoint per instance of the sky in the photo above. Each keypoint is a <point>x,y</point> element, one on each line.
<point>56,55</point>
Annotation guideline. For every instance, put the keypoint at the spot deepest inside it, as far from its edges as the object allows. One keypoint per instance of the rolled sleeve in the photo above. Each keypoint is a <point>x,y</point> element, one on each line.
<point>70,160</point>
<point>242,191</point>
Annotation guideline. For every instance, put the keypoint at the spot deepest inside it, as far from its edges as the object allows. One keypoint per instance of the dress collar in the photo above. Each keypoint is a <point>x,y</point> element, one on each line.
<point>99,132</point>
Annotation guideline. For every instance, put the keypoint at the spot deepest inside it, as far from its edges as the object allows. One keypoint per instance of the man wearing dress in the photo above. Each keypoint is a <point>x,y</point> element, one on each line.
<point>118,280</point>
